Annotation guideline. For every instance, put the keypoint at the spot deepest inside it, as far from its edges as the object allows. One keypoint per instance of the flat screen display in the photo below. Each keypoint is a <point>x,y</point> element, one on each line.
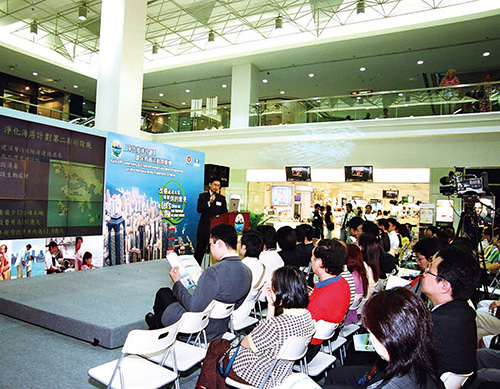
<point>358,173</point>
<point>298,173</point>
<point>390,194</point>
<point>281,196</point>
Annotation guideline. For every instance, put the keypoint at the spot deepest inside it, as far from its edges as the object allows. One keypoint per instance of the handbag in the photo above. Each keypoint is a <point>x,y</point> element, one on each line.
<point>225,372</point>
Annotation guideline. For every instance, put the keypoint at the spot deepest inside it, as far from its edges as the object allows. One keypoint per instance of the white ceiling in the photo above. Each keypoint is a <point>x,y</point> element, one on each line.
<point>389,56</point>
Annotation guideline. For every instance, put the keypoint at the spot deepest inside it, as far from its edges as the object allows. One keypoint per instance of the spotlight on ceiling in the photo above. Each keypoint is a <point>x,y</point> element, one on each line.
<point>82,13</point>
<point>279,22</point>
<point>33,28</point>
<point>360,7</point>
<point>211,36</point>
<point>155,48</point>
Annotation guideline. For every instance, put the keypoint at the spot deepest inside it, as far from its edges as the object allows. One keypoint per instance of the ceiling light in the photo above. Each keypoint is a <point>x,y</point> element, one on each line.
<point>155,107</point>
<point>160,94</point>
<point>282,92</point>
<point>211,36</point>
<point>155,48</point>
<point>360,7</point>
<point>420,62</point>
<point>33,28</point>
<point>82,13</point>
<point>486,54</point>
<point>26,88</point>
<point>362,69</point>
<point>311,75</point>
<point>264,80</point>
<point>35,74</point>
<point>188,90</point>
<point>75,86</point>
<point>279,22</point>
<point>183,103</point>
<point>224,85</point>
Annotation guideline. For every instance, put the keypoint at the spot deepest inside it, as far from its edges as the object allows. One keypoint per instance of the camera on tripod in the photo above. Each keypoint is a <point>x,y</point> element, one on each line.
<point>463,185</point>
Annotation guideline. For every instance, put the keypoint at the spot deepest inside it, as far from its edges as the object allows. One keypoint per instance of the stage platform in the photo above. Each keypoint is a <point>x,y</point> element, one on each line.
<point>99,306</point>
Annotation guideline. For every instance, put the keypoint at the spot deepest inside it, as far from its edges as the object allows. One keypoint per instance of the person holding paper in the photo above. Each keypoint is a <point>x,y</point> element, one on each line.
<point>228,281</point>
<point>210,204</point>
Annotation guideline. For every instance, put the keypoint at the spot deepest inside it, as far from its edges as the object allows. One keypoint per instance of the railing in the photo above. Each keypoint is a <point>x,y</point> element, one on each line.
<point>186,120</point>
<point>458,99</point>
<point>21,105</point>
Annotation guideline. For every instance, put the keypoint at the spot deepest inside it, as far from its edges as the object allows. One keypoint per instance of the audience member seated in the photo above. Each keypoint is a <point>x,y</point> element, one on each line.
<point>305,248</point>
<point>331,296</point>
<point>449,282</point>
<point>250,248</point>
<point>269,256</point>
<point>424,250</point>
<point>487,324</point>
<point>258,350</point>
<point>352,225</point>
<point>400,329</point>
<point>356,267</point>
<point>385,242</point>
<point>372,253</point>
<point>228,281</point>
<point>490,247</point>
<point>446,234</point>
<point>488,373</point>
<point>387,261</point>
<point>287,241</point>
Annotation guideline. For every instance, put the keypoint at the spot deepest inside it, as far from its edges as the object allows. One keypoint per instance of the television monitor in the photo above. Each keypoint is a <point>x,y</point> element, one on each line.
<point>390,194</point>
<point>281,196</point>
<point>298,173</point>
<point>358,173</point>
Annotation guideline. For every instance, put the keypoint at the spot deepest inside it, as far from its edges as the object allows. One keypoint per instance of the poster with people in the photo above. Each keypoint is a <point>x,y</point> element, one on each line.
<point>149,199</point>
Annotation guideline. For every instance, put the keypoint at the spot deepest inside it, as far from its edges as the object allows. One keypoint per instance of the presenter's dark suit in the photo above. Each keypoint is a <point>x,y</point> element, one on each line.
<point>206,212</point>
<point>455,329</point>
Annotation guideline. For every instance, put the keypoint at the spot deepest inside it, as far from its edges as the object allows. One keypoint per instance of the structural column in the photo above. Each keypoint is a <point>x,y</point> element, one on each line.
<point>244,91</point>
<point>121,55</point>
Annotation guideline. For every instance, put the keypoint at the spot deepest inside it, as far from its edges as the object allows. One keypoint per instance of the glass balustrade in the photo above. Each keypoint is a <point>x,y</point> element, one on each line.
<point>459,99</point>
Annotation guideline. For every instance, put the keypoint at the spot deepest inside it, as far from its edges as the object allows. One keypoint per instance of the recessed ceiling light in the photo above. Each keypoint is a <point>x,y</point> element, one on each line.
<point>311,75</point>
<point>155,107</point>
<point>187,90</point>
<point>26,88</point>
<point>35,74</point>
<point>486,54</point>
<point>75,86</point>
<point>420,62</point>
<point>282,92</point>
<point>160,94</point>
<point>224,85</point>
<point>362,68</point>
<point>264,80</point>
<point>401,94</point>
<point>183,103</point>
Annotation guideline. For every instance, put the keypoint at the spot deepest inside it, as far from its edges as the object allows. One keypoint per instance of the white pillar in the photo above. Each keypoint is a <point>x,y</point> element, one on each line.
<point>121,55</point>
<point>244,91</point>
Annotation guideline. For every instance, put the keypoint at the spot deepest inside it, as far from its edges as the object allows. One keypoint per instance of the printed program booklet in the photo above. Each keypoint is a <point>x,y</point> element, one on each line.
<point>362,343</point>
<point>189,269</point>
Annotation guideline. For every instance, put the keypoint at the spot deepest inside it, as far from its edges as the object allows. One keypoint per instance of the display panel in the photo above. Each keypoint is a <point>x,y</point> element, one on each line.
<point>281,196</point>
<point>358,173</point>
<point>50,179</point>
<point>298,173</point>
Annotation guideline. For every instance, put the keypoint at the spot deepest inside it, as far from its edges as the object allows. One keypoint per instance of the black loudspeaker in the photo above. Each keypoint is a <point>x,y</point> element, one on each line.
<point>217,171</point>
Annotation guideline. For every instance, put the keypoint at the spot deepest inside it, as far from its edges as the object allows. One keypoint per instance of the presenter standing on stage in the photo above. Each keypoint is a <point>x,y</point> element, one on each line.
<point>210,204</point>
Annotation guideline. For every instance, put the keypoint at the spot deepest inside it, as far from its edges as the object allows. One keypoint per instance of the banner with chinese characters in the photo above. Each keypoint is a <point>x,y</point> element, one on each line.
<point>51,181</point>
<point>150,199</point>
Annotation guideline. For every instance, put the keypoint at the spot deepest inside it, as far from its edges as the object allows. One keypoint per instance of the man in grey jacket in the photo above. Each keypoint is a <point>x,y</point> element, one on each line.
<point>228,281</point>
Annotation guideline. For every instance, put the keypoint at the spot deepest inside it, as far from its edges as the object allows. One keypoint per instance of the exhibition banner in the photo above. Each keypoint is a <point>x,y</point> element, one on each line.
<point>150,199</point>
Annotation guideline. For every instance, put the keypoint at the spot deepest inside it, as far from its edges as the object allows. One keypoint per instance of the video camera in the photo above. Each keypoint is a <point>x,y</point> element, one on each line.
<point>462,184</point>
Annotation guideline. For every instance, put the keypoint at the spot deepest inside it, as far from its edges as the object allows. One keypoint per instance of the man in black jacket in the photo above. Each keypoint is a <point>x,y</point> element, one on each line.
<point>210,204</point>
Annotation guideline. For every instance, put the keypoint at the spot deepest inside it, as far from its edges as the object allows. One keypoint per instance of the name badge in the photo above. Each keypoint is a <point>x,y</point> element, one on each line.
<point>218,203</point>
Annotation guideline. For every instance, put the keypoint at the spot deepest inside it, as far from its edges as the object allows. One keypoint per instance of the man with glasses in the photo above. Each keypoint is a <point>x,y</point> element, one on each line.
<point>449,282</point>
<point>424,250</point>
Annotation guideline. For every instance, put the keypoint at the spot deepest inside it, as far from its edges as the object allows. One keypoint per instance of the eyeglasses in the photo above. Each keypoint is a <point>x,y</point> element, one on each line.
<point>427,271</point>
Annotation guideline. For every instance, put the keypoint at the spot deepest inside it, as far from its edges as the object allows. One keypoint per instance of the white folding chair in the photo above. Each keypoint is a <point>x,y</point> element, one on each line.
<point>241,318</point>
<point>453,380</point>
<point>294,348</point>
<point>322,361</point>
<point>185,355</point>
<point>221,310</point>
<point>134,371</point>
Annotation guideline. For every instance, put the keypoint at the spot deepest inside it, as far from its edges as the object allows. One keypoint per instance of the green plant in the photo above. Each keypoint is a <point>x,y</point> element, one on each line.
<point>256,219</point>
